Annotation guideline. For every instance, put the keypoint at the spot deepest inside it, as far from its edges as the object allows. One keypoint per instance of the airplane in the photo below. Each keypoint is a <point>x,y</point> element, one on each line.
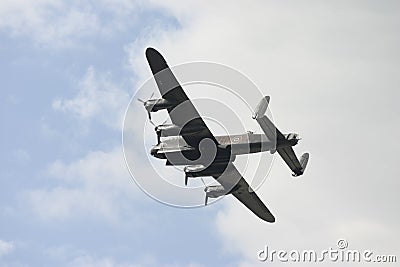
<point>189,142</point>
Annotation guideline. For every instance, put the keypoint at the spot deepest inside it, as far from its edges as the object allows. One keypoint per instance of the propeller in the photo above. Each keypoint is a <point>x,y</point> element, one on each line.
<point>152,123</point>
<point>147,107</point>
<point>206,200</point>
<point>158,132</point>
<point>144,102</point>
<point>205,187</point>
<point>187,178</point>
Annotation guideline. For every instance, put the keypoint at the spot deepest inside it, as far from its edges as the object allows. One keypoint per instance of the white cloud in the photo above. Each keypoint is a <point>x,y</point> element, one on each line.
<point>150,261</point>
<point>86,261</point>
<point>62,24</point>
<point>322,64</point>
<point>49,23</point>
<point>91,186</point>
<point>98,98</point>
<point>5,247</point>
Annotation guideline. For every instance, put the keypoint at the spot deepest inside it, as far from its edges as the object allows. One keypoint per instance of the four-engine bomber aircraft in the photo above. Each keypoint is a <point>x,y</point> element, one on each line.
<point>189,142</point>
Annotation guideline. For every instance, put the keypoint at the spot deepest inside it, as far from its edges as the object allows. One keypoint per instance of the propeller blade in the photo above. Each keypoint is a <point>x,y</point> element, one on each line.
<point>140,100</point>
<point>149,114</point>
<point>186,180</point>
<point>205,203</point>
<point>151,95</point>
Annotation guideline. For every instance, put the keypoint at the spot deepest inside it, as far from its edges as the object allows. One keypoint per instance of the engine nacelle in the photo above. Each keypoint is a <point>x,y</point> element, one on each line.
<point>201,171</point>
<point>214,191</point>
<point>193,168</point>
<point>174,130</point>
<point>153,105</point>
<point>193,171</point>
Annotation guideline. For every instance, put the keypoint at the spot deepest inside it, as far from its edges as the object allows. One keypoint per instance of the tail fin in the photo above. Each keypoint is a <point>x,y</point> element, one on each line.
<point>304,161</point>
<point>261,107</point>
<point>265,123</point>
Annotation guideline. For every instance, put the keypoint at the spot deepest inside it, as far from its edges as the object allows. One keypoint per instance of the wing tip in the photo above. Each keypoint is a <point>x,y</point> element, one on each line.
<point>270,218</point>
<point>156,60</point>
<point>152,53</point>
<point>150,50</point>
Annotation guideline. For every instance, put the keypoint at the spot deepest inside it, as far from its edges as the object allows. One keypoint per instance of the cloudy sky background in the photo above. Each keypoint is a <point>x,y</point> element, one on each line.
<point>68,71</point>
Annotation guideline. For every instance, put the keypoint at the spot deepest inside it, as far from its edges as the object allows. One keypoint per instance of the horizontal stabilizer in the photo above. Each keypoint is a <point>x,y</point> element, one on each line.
<point>269,128</point>
<point>261,107</point>
<point>284,143</point>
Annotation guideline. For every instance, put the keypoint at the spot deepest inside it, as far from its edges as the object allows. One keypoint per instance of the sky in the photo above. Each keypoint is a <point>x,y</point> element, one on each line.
<point>70,68</point>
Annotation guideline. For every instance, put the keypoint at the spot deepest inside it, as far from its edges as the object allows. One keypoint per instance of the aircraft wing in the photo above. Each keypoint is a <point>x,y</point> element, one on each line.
<point>182,113</point>
<point>244,193</point>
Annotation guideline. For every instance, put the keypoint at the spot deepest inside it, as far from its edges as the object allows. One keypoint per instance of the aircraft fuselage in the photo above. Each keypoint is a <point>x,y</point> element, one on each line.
<point>226,150</point>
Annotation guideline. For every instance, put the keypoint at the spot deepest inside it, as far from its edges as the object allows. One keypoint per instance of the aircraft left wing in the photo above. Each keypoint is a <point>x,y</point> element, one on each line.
<point>232,178</point>
<point>182,113</point>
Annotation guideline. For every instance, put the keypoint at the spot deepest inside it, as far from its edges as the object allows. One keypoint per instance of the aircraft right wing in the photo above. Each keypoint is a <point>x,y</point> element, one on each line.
<point>183,113</point>
<point>232,178</point>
